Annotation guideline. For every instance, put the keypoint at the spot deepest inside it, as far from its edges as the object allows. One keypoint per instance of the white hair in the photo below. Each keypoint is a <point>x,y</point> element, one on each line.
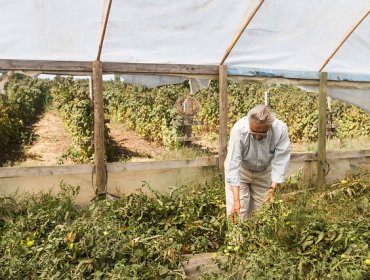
<point>262,115</point>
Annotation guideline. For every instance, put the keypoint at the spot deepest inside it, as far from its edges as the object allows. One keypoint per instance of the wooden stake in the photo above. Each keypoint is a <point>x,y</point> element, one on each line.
<point>239,33</point>
<point>107,6</point>
<point>223,116</point>
<point>322,131</point>
<point>343,40</point>
<point>99,127</point>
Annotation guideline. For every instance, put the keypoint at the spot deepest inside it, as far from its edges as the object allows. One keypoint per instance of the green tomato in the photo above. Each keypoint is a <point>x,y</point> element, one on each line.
<point>30,243</point>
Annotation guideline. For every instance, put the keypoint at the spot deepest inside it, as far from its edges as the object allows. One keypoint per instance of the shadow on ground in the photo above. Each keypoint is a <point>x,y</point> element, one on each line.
<point>119,153</point>
<point>15,151</point>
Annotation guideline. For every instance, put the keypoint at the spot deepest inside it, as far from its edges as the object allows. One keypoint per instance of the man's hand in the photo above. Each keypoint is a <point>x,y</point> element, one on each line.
<point>271,193</point>
<point>270,196</point>
<point>236,206</point>
<point>235,210</point>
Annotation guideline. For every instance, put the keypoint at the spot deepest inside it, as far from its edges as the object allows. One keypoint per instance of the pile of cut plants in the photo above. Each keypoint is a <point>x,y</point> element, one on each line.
<point>318,234</point>
<point>139,236</point>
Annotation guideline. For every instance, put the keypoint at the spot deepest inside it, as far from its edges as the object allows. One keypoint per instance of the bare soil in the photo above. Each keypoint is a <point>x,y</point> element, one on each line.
<point>129,146</point>
<point>50,142</point>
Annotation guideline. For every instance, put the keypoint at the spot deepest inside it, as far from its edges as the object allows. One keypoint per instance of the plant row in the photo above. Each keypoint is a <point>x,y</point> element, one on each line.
<point>71,99</point>
<point>23,101</point>
<point>152,114</point>
<point>297,108</point>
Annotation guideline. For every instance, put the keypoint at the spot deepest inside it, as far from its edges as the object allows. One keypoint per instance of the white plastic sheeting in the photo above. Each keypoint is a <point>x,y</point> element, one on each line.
<point>358,97</point>
<point>152,81</point>
<point>301,35</point>
<point>286,35</point>
<point>50,29</point>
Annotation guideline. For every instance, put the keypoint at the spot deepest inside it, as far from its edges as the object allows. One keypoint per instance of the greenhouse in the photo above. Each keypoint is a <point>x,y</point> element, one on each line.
<point>181,75</point>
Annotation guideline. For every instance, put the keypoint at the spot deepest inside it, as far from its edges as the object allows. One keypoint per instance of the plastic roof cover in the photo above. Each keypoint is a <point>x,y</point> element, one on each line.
<point>284,34</point>
<point>287,35</point>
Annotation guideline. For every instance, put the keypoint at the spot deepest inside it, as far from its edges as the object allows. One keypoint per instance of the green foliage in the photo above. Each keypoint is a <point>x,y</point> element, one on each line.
<point>351,121</point>
<point>140,236</point>
<point>24,100</point>
<point>298,109</point>
<point>316,235</point>
<point>319,235</point>
<point>150,112</point>
<point>71,98</point>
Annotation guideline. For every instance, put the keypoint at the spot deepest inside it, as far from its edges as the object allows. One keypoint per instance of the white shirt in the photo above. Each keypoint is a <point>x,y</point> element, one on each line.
<point>256,155</point>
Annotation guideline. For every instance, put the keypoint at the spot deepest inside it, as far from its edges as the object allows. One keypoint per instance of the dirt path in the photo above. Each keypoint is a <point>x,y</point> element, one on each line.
<point>50,144</point>
<point>130,146</point>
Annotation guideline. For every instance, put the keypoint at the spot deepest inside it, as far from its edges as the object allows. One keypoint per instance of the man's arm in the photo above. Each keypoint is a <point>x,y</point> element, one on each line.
<point>232,168</point>
<point>236,205</point>
<point>282,155</point>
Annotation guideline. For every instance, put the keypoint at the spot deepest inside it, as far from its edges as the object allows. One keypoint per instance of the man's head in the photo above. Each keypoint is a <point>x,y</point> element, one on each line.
<point>260,118</point>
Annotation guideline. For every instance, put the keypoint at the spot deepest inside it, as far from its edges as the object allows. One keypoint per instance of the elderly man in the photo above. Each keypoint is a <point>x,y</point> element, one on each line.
<point>257,159</point>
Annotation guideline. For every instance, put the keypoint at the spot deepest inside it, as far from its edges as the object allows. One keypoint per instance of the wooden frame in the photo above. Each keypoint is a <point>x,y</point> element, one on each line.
<point>85,67</point>
<point>343,41</point>
<point>223,105</point>
<point>99,147</point>
<point>321,147</point>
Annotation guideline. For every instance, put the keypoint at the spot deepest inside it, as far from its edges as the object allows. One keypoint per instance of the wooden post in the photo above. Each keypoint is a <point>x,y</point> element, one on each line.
<point>322,131</point>
<point>223,117</point>
<point>307,174</point>
<point>99,127</point>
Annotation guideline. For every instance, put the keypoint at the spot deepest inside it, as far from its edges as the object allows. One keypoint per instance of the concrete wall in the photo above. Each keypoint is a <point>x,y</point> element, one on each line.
<point>125,178</point>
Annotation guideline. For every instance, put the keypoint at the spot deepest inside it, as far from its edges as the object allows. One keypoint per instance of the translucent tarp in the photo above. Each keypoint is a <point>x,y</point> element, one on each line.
<point>283,35</point>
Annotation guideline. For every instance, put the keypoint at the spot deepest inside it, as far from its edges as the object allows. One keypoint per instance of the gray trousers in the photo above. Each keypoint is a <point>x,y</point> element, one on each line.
<point>254,186</point>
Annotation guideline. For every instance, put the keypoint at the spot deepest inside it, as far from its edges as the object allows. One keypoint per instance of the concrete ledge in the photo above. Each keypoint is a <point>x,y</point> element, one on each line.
<point>9,172</point>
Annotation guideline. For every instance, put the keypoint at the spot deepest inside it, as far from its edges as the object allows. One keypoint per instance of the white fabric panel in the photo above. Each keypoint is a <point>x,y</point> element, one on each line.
<point>50,30</point>
<point>358,97</point>
<point>297,35</point>
<point>198,84</point>
<point>168,31</point>
<point>284,34</point>
<point>152,81</point>
<point>354,55</point>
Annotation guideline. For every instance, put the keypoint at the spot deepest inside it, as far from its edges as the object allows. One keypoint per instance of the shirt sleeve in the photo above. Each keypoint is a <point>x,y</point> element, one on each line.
<point>280,162</point>
<point>234,158</point>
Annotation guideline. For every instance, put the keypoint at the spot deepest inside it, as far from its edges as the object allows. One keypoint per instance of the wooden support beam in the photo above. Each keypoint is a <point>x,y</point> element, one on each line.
<point>239,33</point>
<point>160,69</point>
<point>106,11</point>
<point>84,67</point>
<point>321,147</point>
<point>343,40</point>
<point>223,105</point>
<point>99,128</point>
<point>46,65</point>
